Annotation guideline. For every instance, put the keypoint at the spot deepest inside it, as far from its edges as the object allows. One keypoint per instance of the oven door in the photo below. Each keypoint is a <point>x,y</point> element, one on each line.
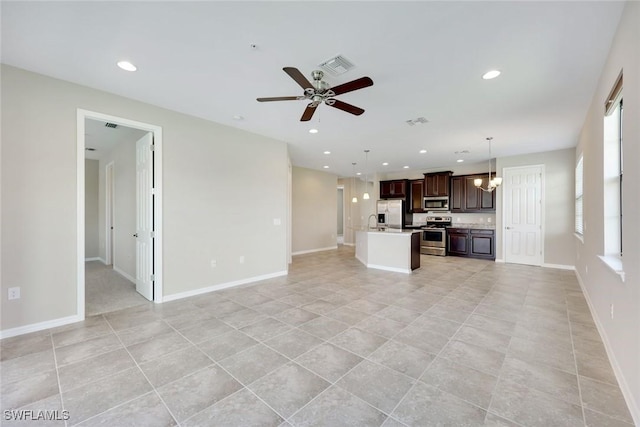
<point>433,241</point>
<point>434,237</point>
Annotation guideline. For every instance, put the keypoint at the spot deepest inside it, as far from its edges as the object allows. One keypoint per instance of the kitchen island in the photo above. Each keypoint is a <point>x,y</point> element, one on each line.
<point>390,249</point>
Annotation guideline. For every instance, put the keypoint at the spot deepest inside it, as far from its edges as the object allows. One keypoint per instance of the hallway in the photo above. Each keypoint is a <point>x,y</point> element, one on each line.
<point>107,290</point>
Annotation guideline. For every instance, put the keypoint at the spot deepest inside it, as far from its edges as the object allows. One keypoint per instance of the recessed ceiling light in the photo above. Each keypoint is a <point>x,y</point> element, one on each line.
<point>313,130</point>
<point>326,167</point>
<point>491,74</point>
<point>327,152</point>
<point>238,117</point>
<point>385,164</point>
<point>423,151</point>
<point>127,66</point>
<point>359,173</point>
<point>460,160</point>
<point>406,167</point>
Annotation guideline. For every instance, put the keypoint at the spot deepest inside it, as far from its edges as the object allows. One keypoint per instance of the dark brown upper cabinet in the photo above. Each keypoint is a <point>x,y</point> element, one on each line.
<point>437,184</point>
<point>466,197</point>
<point>394,189</point>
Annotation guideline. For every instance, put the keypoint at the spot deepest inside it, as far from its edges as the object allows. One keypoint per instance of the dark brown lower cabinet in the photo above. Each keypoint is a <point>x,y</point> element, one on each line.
<point>458,241</point>
<point>482,244</point>
<point>471,243</point>
<point>415,251</point>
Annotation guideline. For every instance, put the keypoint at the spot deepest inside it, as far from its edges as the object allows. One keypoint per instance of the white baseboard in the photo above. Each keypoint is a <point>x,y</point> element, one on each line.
<point>560,266</point>
<point>34,327</point>
<point>394,269</point>
<point>123,274</point>
<point>624,387</point>
<point>348,244</point>
<point>329,248</point>
<point>200,291</point>
<point>95,258</point>
<point>499,261</point>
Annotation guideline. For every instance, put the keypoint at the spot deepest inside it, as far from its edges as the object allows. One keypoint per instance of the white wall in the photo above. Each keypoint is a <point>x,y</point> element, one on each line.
<point>603,287</point>
<point>314,207</point>
<point>91,213</point>
<point>222,188</point>
<point>559,192</point>
<point>123,157</point>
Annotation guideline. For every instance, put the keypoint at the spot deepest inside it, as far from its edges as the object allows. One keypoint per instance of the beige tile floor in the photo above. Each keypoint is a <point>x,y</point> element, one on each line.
<point>458,343</point>
<point>106,290</point>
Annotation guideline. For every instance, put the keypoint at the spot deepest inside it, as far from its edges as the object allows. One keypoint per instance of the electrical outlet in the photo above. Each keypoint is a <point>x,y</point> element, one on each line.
<point>586,269</point>
<point>277,221</point>
<point>14,293</point>
<point>489,219</point>
<point>241,260</point>
<point>214,263</point>
<point>611,309</point>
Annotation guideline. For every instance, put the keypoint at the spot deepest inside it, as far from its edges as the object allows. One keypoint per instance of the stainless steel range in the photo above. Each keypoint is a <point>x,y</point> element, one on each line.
<point>433,238</point>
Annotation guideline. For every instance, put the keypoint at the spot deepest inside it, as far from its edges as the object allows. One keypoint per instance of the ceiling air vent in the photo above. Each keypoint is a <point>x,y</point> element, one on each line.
<point>337,65</point>
<point>111,125</point>
<point>419,120</point>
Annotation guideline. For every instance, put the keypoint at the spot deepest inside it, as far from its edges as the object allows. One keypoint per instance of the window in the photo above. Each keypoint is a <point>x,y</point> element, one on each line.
<point>579,186</point>
<point>613,172</point>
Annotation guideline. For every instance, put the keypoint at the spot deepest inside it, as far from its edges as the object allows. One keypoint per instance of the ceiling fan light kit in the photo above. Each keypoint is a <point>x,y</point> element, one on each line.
<point>493,182</point>
<point>320,92</point>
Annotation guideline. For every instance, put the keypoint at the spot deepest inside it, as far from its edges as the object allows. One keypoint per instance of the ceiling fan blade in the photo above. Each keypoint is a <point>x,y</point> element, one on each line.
<point>296,75</point>
<point>280,98</point>
<point>356,84</point>
<point>308,112</point>
<point>345,107</point>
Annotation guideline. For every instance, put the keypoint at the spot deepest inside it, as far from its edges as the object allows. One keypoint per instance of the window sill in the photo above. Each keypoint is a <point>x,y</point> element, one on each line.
<point>579,237</point>
<point>614,263</point>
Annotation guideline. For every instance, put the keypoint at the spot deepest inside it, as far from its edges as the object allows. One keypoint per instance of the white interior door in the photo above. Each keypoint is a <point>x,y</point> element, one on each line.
<point>523,215</point>
<point>109,214</point>
<point>144,216</point>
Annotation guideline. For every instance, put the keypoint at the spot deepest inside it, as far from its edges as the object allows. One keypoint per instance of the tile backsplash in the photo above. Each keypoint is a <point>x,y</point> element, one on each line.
<point>458,218</point>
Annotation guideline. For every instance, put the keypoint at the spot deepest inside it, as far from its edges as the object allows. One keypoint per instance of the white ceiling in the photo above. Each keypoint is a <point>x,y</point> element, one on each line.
<point>425,59</point>
<point>103,139</point>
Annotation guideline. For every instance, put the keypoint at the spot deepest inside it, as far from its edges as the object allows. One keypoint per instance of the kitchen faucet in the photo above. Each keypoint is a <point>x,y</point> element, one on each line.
<point>369,221</point>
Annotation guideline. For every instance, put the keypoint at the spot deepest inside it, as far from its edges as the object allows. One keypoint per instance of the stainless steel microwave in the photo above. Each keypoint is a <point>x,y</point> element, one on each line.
<point>436,204</point>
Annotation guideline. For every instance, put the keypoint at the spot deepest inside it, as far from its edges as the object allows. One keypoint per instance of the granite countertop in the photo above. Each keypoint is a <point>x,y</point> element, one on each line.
<point>392,231</point>
<point>484,226</point>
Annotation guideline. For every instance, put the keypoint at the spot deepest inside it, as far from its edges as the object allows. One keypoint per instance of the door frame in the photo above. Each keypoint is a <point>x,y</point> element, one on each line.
<point>109,247</point>
<point>542,210</point>
<point>344,215</point>
<point>81,116</point>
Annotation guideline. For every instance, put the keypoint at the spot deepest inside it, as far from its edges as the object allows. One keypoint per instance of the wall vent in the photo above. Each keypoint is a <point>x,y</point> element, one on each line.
<point>419,120</point>
<point>337,65</point>
<point>90,149</point>
<point>111,125</point>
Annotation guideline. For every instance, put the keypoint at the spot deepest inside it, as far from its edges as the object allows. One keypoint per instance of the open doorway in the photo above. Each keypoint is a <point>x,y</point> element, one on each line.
<point>119,245</point>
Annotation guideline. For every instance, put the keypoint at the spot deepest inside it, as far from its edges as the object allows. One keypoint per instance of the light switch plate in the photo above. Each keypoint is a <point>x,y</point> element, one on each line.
<point>14,293</point>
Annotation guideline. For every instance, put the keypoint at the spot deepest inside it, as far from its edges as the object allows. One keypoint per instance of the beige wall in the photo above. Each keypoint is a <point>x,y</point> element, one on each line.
<point>558,192</point>
<point>222,188</point>
<point>91,190</point>
<point>314,208</point>
<point>356,214</point>
<point>123,157</point>
<point>603,287</point>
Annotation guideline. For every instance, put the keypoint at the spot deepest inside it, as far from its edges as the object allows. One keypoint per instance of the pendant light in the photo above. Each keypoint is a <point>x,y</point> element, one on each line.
<point>353,181</point>
<point>493,182</point>
<point>365,196</point>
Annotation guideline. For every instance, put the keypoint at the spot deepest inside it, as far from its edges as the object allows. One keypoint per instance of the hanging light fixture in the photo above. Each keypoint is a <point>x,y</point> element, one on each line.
<point>353,180</point>
<point>493,182</point>
<point>365,196</point>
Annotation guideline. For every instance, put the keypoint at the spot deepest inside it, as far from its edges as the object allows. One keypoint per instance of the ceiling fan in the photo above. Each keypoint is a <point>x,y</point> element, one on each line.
<point>319,91</point>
